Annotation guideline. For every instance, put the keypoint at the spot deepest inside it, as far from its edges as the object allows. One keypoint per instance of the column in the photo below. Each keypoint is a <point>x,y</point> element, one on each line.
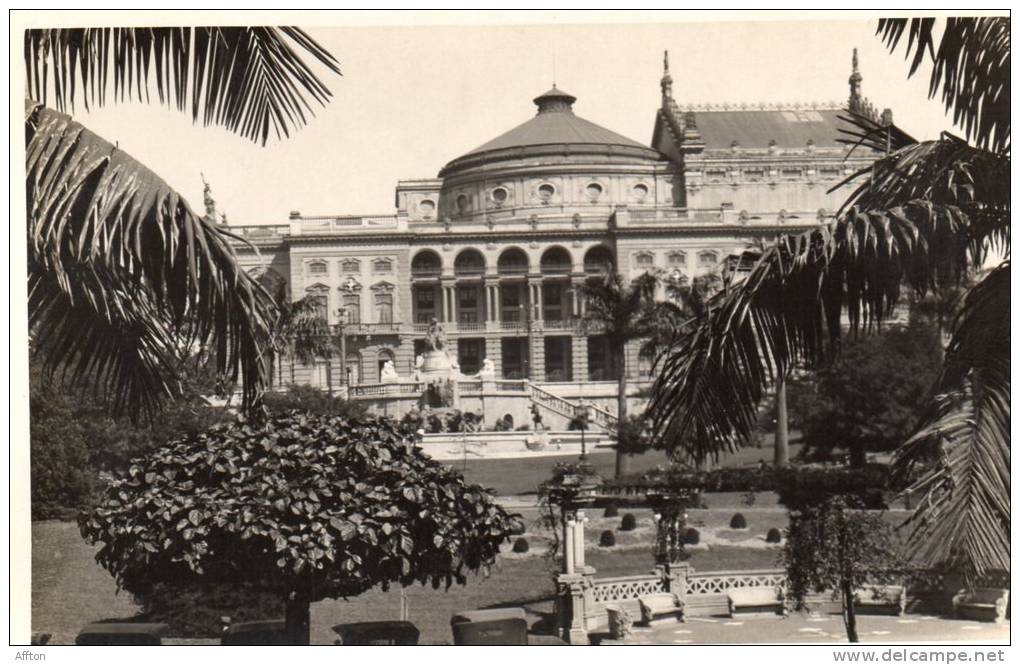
<point>579,349</point>
<point>579,541</point>
<point>569,549</point>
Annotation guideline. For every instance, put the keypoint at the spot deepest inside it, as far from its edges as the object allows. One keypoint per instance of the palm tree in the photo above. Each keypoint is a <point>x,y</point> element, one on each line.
<point>121,270</point>
<point>299,330</point>
<point>925,215</point>
<point>621,312</point>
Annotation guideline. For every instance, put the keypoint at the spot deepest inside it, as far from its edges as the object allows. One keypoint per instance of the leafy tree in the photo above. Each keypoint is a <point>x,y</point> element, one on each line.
<point>306,507</point>
<point>74,438</point>
<point>924,215</point>
<point>621,312</point>
<point>871,398</point>
<point>833,545</point>
<point>120,268</point>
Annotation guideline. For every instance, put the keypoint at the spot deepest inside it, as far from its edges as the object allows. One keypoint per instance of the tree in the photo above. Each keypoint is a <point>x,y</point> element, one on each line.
<point>622,313</point>
<point>834,545</point>
<point>925,214</point>
<point>871,397</point>
<point>121,272</point>
<point>306,507</point>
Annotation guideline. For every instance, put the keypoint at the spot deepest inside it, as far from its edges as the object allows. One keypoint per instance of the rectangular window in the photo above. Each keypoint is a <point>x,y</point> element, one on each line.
<point>352,305</point>
<point>384,307</point>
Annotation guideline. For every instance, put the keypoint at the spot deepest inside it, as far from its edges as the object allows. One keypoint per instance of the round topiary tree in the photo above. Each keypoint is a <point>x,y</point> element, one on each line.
<point>611,511</point>
<point>628,523</point>
<point>692,537</point>
<point>607,539</point>
<point>738,521</point>
<point>774,535</point>
<point>521,545</point>
<point>303,506</point>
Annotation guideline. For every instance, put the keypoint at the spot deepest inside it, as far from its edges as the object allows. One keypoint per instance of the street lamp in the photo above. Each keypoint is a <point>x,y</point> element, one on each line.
<point>341,321</point>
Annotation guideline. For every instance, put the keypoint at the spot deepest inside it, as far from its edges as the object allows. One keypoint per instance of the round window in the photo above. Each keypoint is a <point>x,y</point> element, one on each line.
<point>500,195</point>
<point>546,191</point>
<point>462,203</point>
<point>640,192</point>
<point>427,207</point>
<point>594,191</point>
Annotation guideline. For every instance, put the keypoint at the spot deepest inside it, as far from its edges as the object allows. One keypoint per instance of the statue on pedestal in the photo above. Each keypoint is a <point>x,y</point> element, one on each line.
<point>389,373</point>
<point>488,370</point>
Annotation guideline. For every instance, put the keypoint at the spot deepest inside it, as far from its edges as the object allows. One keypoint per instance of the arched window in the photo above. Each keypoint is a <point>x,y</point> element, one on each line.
<point>426,264</point>
<point>512,261</point>
<point>469,262</point>
<point>556,261</point>
<point>598,259</point>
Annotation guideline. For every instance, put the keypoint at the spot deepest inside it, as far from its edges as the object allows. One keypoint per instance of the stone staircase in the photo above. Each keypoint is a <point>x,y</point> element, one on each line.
<point>597,416</point>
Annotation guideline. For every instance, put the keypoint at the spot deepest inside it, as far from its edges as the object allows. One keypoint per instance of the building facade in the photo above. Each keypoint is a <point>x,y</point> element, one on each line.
<point>495,245</point>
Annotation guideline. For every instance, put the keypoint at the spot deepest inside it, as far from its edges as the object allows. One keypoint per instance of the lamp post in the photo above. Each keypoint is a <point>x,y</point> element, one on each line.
<point>583,423</point>
<point>341,322</point>
<point>526,312</point>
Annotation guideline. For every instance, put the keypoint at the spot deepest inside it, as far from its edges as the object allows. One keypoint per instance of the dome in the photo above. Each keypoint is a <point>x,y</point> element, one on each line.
<point>554,130</point>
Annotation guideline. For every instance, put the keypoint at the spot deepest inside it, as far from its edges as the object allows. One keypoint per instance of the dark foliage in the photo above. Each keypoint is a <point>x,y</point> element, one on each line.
<point>834,545</point>
<point>628,523</point>
<point>611,511</point>
<point>312,506</point>
<point>521,545</point>
<point>738,521</point>
<point>607,539</point>
<point>774,535</point>
<point>692,536</point>
<point>197,613</point>
<point>873,396</point>
<point>313,400</point>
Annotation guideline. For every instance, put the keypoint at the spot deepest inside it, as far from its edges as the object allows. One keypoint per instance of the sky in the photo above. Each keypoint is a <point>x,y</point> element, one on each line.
<point>413,98</point>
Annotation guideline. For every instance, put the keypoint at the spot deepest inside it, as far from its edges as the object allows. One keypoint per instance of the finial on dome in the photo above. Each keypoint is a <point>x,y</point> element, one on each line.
<point>555,100</point>
<point>667,80</point>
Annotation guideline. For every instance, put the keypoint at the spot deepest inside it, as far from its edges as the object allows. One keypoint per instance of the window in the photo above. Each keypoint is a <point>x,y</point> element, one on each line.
<point>594,191</point>
<point>382,267</point>
<point>644,260</point>
<point>320,304</point>
<point>467,305</point>
<point>318,268</point>
<point>639,192</point>
<point>708,259</point>
<point>500,195</point>
<point>754,174</point>
<point>350,266</point>
<point>677,260</point>
<point>352,307</point>
<point>384,307</point>
<point>546,192</point>
<point>427,208</point>
<point>829,172</point>
<point>462,204</point>
<point>791,173</point>
<point>426,299</point>
<point>716,174</point>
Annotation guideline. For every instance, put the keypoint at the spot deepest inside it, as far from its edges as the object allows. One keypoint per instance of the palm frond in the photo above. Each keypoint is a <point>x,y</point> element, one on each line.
<point>790,308</point>
<point>970,66</point>
<point>121,269</point>
<point>251,80</point>
<point>963,447</point>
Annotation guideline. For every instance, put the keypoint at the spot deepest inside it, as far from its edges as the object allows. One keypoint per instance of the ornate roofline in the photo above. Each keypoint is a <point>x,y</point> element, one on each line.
<point>764,106</point>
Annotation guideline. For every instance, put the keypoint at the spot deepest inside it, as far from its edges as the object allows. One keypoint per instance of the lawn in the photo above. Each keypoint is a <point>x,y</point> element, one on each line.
<point>70,590</point>
<point>509,477</point>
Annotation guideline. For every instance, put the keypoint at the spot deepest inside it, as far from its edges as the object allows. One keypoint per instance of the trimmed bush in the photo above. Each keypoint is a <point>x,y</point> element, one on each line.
<point>611,511</point>
<point>738,522</point>
<point>607,539</point>
<point>628,523</point>
<point>774,536</point>
<point>692,537</point>
<point>521,545</point>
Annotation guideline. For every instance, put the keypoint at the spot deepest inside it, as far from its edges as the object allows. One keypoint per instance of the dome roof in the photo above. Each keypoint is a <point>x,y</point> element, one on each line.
<point>554,130</point>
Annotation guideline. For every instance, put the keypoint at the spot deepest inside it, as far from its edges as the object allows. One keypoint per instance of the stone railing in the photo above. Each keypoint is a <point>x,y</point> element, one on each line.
<point>512,386</point>
<point>723,581</point>
<point>469,387</point>
<point>384,389</point>
<point>629,587</point>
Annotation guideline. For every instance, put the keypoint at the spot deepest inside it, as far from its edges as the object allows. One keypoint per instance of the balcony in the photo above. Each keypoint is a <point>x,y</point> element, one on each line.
<point>556,268</point>
<point>426,272</point>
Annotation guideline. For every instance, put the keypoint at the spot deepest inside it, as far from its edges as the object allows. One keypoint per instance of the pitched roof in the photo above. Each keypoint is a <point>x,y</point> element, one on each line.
<point>756,128</point>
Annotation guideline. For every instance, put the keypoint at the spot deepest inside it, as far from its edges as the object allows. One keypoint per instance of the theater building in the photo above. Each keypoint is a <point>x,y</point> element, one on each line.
<point>495,244</point>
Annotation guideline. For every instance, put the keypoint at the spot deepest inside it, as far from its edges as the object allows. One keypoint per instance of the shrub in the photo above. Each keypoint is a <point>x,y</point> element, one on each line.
<point>628,523</point>
<point>607,539</point>
<point>611,511</point>
<point>196,613</point>
<point>738,522</point>
<point>692,537</point>
<point>773,536</point>
<point>521,545</point>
